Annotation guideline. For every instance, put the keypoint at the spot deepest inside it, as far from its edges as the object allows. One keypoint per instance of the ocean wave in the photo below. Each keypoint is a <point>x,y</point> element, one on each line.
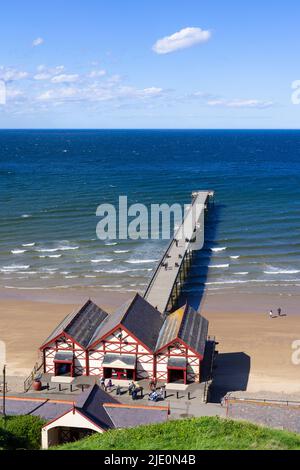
<point>103,260</point>
<point>219,266</point>
<point>28,244</point>
<point>50,256</point>
<point>18,252</point>
<point>121,251</point>
<point>47,250</point>
<point>26,216</point>
<point>219,283</point>
<point>59,248</point>
<point>112,271</point>
<point>111,243</point>
<point>141,261</point>
<point>276,271</point>
<point>116,286</point>
<point>234,257</point>
<point>218,250</point>
<point>241,273</point>
<point>15,267</point>
<point>49,270</point>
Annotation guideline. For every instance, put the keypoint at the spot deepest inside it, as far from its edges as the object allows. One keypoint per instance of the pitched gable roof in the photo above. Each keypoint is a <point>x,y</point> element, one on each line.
<point>81,325</point>
<point>138,317</point>
<point>186,324</point>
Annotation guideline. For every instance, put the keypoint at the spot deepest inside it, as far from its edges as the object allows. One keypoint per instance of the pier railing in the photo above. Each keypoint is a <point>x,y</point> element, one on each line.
<point>186,248</point>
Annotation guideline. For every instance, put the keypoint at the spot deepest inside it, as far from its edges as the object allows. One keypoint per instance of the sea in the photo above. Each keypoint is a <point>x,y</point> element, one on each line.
<point>52,181</point>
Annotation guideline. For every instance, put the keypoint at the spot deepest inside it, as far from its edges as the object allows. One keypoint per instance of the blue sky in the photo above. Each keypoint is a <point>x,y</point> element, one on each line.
<point>149,64</point>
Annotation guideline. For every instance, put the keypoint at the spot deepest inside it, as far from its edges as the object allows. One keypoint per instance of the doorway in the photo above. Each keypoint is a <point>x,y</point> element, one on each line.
<point>118,374</point>
<point>177,376</point>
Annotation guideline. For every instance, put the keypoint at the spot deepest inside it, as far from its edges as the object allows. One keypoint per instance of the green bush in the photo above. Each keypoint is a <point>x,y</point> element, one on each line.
<point>20,432</point>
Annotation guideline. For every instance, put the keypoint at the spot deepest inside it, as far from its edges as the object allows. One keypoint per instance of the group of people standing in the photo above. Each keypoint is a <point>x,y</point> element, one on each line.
<point>279,313</point>
<point>134,390</point>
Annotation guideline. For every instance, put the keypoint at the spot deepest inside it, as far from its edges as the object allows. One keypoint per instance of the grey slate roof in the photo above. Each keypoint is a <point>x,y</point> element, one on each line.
<point>194,330</point>
<point>80,325</point>
<point>139,317</point>
<point>43,409</point>
<point>64,356</point>
<point>130,361</point>
<point>123,417</point>
<point>186,324</point>
<point>179,362</point>
<point>91,404</point>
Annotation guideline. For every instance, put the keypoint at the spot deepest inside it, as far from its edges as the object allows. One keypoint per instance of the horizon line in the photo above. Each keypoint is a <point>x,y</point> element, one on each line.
<point>148,129</point>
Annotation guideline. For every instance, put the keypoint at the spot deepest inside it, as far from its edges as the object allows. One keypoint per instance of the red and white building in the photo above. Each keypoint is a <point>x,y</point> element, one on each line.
<point>134,343</point>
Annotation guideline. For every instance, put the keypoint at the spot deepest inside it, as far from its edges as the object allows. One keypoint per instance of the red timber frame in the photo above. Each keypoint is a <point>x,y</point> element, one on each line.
<point>117,346</point>
<point>184,353</point>
<point>58,363</point>
<point>78,353</point>
<point>184,370</point>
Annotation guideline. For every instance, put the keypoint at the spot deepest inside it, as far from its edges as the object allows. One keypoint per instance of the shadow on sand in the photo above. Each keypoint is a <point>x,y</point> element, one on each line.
<point>231,374</point>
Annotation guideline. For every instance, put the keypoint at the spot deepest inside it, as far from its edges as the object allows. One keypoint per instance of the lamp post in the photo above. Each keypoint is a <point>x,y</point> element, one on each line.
<point>4,391</point>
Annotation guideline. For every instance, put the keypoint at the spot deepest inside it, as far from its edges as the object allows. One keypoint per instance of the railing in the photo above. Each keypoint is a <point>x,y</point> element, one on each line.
<point>30,379</point>
<point>264,401</point>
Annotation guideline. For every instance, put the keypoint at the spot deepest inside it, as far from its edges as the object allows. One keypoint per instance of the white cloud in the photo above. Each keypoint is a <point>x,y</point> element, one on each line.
<point>11,74</point>
<point>257,104</point>
<point>38,42</point>
<point>97,73</point>
<point>42,76</point>
<point>45,73</point>
<point>13,93</point>
<point>151,92</point>
<point>183,39</point>
<point>65,78</point>
<point>63,94</point>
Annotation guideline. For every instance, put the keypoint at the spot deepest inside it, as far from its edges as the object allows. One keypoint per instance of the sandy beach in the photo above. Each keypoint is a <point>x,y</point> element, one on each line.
<point>255,352</point>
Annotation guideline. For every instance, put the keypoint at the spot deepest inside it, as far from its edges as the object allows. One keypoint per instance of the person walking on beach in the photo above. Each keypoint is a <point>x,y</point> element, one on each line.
<point>279,312</point>
<point>271,314</point>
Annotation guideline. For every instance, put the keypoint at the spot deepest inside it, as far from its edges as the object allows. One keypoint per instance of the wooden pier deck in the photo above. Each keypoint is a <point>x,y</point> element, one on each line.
<point>168,278</point>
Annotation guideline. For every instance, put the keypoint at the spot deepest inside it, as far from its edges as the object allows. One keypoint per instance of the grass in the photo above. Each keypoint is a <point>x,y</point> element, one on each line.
<point>20,432</point>
<point>191,434</point>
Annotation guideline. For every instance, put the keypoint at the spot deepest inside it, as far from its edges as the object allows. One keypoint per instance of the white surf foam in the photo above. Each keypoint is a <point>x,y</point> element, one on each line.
<point>60,248</point>
<point>276,271</point>
<point>103,260</point>
<point>28,244</point>
<point>234,257</point>
<point>121,251</point>
<point>18,252</point>
<point>14,267</point>
<point>218,250</point>
<point>141,261</point>
<point>219,266</point>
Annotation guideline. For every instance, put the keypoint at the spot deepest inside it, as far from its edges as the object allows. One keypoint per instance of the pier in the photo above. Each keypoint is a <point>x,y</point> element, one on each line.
<point>166,283</point>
